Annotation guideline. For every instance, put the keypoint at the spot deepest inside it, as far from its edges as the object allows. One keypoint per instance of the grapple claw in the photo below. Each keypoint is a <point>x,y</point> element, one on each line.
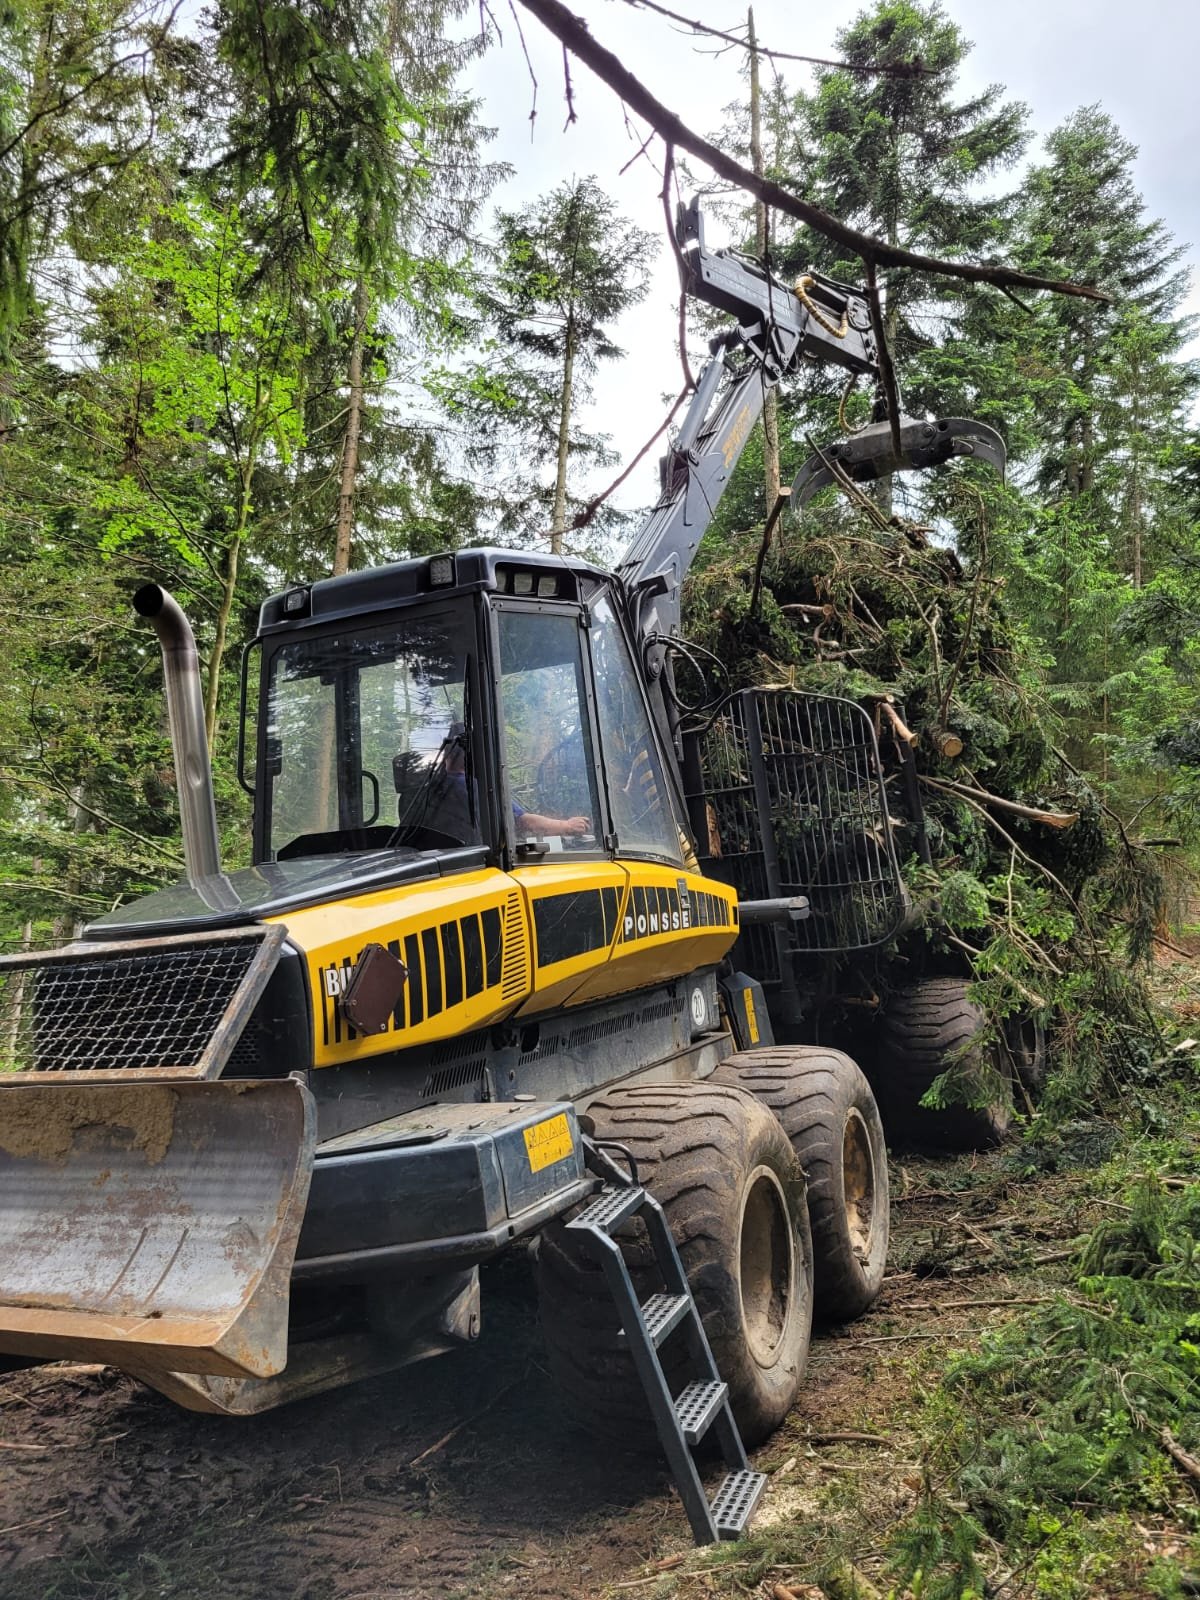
<point>871,453</point>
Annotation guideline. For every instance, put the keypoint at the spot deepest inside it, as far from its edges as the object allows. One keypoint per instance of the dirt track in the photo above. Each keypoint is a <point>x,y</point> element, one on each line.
<point>455,1478</point>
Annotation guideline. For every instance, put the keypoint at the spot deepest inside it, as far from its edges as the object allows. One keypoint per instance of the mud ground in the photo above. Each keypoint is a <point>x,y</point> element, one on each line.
<point>458,1478</point>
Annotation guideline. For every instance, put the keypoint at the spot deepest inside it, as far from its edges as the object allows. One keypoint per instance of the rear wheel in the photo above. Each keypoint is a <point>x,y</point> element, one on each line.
<point>827,1110</point>
<point>932,1028</point>
<point>724,1173</point>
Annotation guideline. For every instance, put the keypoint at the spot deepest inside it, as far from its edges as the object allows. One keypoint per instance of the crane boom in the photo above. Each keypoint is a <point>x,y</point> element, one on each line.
<point>777,329</point>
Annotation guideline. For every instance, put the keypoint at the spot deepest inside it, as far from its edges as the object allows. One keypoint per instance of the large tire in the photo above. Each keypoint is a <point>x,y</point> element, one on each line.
<point>722,1169</point>
<point>927,1030</point>
<point>828,1112</point>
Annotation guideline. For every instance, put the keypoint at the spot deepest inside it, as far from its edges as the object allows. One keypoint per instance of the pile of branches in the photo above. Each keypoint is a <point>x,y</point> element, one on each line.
<point>1021,876</point>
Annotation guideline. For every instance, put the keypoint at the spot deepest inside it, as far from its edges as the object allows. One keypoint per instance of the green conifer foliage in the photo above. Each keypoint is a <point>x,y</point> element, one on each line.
<point>564,268</point>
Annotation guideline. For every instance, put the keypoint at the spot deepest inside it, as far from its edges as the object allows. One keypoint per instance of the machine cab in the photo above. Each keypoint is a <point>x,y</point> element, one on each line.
<point>476,702</point>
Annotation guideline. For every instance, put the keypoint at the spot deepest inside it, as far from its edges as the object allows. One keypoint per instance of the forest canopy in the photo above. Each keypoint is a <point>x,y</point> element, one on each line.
<point>264,316</point>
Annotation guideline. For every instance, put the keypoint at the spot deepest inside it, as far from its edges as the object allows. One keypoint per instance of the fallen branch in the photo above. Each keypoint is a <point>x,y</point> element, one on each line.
<point>988,1244</point>
<point>34,1522</point>
<point>899,727</point>
<point>573,32</point>
<point>1052,819</point>
<point>845,1582</point>
<point>458,1427</point>
<point>1038,1001</point>
<point>892,1338</point>
<point>972,1305</point>
<point>1179,1455</point>
<point>1038,866</point>
<point>845,1438</point>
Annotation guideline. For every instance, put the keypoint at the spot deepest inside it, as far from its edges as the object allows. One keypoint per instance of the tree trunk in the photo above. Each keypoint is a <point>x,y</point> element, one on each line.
<point>770,414</point>
<point>1087,447</point>
<point>1087,421</point>
<point>558,521</point>
<point>891,330</point>
<point>344,529</point>
<point>1134,511</point>
<point>66,925</point>
<point>225,610</point>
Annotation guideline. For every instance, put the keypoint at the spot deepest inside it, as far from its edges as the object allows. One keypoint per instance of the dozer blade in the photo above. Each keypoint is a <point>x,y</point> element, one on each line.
<point>871,453</point>
<point>153,1224</point>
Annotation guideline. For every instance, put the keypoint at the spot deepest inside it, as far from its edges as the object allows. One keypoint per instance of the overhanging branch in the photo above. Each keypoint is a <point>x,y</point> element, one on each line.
<point>573,32</point>
<point>896,70</point>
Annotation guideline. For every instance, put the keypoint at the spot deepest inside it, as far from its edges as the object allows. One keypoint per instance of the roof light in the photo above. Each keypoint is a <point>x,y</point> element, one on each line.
<point>295,602</point>
<point>547,585</point>
<point>441,571</point>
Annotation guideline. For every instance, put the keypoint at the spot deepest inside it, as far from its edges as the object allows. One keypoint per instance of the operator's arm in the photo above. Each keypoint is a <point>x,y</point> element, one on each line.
<point>531,822</point>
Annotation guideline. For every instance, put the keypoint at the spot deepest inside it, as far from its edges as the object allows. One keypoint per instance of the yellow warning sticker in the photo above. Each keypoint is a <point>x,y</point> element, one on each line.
<point>751,1018</point>
<point>548,1142</point>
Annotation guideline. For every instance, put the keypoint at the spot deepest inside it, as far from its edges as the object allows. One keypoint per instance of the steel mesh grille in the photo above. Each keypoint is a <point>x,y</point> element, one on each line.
<point>120,1011</point>
<point>808,817</point>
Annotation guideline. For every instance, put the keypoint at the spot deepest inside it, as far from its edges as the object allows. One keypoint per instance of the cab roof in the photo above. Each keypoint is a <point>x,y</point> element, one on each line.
<point>513,572</point>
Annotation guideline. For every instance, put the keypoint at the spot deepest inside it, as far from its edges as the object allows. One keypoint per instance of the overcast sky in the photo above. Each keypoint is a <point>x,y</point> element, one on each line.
<point>1139,63</point>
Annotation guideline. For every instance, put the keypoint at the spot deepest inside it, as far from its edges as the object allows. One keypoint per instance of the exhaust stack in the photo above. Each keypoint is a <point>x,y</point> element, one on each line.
<point>189,741</point>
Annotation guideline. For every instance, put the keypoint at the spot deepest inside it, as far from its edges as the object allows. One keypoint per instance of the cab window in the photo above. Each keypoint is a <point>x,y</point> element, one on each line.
<point>548,751</point>
<point>367,741</point>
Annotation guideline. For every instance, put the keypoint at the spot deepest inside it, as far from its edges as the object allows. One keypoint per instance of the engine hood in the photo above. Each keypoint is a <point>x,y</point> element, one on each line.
<point>232,899</point>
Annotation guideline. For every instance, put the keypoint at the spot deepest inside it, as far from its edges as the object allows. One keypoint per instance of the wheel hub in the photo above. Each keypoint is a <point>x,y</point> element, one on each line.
<point>767,1262</point>
<point>858,1183</point>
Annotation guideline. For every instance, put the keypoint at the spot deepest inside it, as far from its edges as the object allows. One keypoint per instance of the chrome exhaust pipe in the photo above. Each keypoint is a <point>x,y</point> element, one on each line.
<point>189,739</point>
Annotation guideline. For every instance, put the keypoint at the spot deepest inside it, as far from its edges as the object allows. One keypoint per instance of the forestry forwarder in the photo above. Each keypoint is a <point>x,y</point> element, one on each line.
<point>258,1131</point>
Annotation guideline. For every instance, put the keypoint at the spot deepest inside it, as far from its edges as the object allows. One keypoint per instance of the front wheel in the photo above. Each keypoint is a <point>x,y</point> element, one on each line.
<point>732,1191</point>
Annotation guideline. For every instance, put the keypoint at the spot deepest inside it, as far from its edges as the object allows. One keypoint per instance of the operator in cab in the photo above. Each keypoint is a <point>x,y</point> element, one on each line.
<point>528,824</point>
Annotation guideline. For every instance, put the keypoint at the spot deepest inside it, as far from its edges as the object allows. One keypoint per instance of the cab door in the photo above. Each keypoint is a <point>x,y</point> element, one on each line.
<point>594,837</point>
<point>674,921</point>
<point>554,800</point>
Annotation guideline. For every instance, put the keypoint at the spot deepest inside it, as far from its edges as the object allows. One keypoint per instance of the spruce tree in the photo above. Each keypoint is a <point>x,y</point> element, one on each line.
<point>901,153</point>
<point>1112,396</point>
<point>564,268</point>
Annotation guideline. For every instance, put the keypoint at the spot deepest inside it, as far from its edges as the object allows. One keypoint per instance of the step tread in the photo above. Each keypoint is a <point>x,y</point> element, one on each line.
<point>662,1313</point>
<point>735,1502</point>
<point>611,1207</point>
<point>697,1405</point>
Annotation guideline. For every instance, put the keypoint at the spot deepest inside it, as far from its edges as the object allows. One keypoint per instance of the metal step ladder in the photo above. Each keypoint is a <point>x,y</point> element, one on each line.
<point>682,1420</point>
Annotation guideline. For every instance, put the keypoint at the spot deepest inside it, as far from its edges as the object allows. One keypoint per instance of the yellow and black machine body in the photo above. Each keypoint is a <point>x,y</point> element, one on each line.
<point>474,904</point>
<point>258,1131</point>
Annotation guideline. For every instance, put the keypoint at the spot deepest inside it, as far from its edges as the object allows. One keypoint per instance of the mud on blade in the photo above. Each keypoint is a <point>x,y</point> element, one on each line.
<point>152,1224</point>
